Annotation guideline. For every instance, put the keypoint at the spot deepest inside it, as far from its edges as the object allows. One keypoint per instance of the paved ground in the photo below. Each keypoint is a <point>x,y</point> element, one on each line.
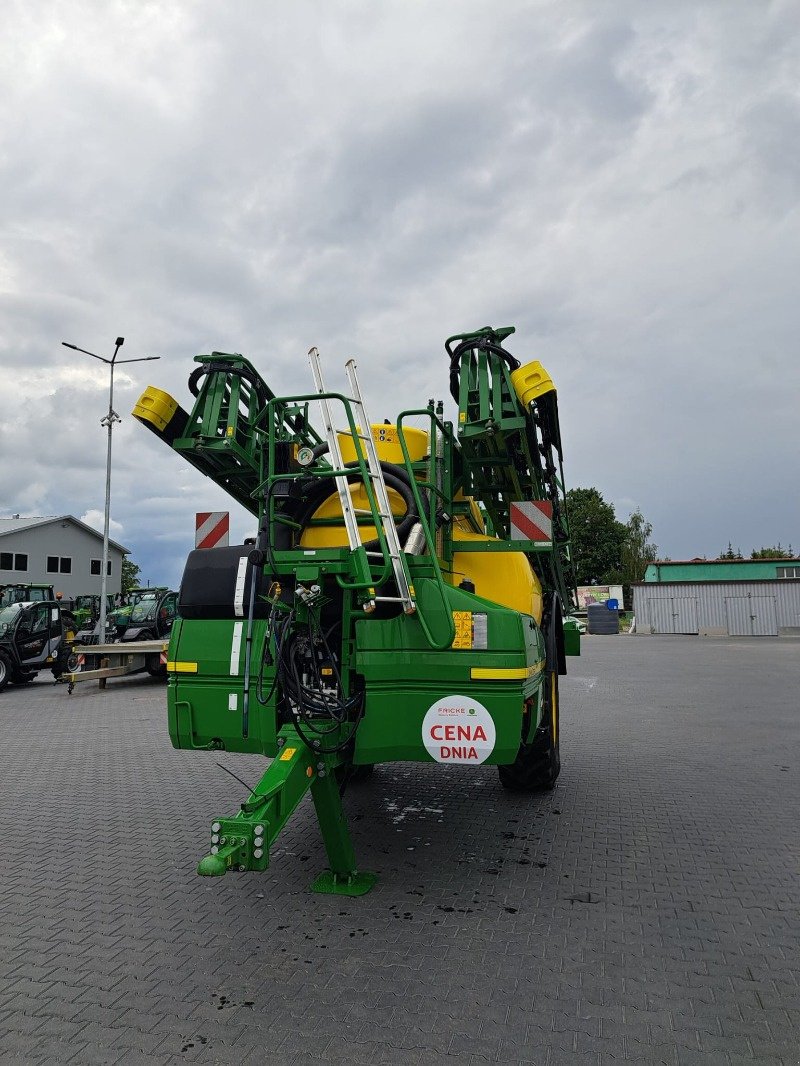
<point>646,910</point>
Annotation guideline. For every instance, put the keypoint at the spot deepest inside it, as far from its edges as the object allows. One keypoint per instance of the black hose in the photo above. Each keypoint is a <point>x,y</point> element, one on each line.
<point>395,477</point>
<point>475,344</point>
<point>260,387</point>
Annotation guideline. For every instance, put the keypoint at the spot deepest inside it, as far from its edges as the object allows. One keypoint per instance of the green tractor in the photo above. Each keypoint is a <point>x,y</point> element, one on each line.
<point>120,616</point>
<point>404,598</point>
<point>86,610</point>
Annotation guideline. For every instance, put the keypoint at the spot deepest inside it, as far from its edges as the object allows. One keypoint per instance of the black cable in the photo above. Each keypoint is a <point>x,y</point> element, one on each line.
<point>305,703</point>
<point>233,775</point>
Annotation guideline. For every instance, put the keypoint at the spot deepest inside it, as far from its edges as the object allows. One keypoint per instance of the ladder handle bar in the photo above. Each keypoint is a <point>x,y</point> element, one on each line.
<point>429,543</point>
<point>322,398</point>
<point>271,477</point>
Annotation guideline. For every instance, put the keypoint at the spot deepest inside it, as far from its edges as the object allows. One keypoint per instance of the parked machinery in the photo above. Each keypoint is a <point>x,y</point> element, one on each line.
<point>403,600</point>
<point>35,635</point>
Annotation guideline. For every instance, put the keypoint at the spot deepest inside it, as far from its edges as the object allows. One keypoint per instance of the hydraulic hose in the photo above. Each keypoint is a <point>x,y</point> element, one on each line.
<point>259,386</point>
<point>395,477</point>
<point>475,344</point>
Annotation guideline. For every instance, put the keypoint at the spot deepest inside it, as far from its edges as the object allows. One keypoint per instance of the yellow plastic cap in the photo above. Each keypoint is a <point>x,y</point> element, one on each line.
<point>156,407</point>
<point>531,381</point>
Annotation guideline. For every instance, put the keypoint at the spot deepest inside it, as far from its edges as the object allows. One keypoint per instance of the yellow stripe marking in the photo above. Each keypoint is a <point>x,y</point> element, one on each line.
<point>181,668</point>
<point>512,673</point>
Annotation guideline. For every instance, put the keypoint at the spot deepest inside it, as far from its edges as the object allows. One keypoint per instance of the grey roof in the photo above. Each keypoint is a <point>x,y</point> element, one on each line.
<point>15,525</point>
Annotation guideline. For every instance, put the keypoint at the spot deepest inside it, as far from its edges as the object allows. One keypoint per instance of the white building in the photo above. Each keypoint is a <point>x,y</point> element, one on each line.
<point>63,552</point>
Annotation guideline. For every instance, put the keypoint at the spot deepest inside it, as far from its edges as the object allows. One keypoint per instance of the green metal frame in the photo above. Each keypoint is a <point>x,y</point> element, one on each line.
<point>246,439</point>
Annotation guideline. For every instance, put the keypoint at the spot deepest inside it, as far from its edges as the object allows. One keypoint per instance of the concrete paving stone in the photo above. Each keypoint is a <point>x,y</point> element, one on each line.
<point>664,900</point>
<point>765,1060</point>
<point>727,1044</point>
<point>693,1057</point>
<point>560,1057</point>
<point>45,1048</point>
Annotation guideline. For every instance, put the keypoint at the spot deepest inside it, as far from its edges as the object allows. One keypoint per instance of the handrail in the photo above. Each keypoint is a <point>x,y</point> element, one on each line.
<point>363,470</point>
<point>426,532</point>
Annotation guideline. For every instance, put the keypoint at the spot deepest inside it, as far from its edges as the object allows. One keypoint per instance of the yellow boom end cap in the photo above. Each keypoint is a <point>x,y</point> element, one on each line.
<point>531,381</point>
<point>156,407</point>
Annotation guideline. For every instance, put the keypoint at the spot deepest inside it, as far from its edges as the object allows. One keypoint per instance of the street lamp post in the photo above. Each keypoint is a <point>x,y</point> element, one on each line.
<point>108,422</point>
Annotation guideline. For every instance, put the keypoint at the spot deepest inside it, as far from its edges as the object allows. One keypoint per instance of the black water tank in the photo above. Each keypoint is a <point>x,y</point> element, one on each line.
<point>600,620</point>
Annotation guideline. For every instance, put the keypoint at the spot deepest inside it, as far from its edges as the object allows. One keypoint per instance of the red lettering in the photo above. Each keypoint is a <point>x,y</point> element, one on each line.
<point>472,754</point>
<point>479,733</point>
<point>434,734</point>
<point>453,753</point>
<point>450,732</point>
<point>464,732</point>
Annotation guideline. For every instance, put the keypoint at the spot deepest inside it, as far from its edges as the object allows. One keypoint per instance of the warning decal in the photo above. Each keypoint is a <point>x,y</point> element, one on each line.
<point>458,729</point>
<point>532,520</point>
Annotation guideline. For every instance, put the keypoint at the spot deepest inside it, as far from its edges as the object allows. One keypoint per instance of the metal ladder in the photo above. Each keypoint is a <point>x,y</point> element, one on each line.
<point>375,476</point>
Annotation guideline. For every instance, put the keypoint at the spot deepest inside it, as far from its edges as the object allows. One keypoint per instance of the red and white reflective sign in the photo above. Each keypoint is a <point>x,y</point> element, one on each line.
<point>458,729</point>
<point>211,529</point>
<point>532,520</point>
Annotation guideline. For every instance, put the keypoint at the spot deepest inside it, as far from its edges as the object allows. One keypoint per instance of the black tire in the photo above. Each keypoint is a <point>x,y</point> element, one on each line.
<point>5,671</point>
<point>22,677</point>
<point>348,775</point>
<point>155,668</point>
<point>538,763</point>
<point>66,663</point>
<point>361,773</point>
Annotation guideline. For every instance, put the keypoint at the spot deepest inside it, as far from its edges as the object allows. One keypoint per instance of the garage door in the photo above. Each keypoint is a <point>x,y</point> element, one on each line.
<point>669,614</point>
<point>751,616</point>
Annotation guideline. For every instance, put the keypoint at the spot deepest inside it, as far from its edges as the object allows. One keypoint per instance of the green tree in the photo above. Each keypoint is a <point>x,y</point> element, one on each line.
<point>597,538</point>
<point>730,554</point>
<point>772,553</point>
<point>637,548</point>
<point>130,575</point>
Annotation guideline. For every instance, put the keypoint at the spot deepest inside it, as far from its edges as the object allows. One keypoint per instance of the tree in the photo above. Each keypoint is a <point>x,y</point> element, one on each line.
<point>130,575</point>
<point>730,554</point>
<point>772,553</point>
<point>596,536</point>
<point>637,549</point>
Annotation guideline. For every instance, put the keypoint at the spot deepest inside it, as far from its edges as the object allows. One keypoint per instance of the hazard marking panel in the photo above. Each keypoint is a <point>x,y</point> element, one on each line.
<point>211,529</point>
<point>462,622</point>
<point>532,520</point>
<point>458,729</point>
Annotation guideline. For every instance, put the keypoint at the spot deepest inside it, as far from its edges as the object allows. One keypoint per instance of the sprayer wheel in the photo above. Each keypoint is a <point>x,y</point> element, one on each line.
<point>538,763</point>
<point>361,773</point>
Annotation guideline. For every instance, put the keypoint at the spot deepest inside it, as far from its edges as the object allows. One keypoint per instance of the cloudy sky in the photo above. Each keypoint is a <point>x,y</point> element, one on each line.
<point>618,180</point>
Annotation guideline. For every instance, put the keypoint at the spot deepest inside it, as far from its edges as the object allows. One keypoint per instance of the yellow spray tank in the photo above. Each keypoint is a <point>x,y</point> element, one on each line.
<point>505,578</point>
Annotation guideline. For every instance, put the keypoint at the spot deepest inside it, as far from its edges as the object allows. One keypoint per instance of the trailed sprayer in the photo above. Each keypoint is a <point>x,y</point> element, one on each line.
<point>402,600</point>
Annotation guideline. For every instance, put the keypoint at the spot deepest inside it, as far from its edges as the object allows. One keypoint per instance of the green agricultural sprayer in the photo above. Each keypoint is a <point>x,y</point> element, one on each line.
<point>403,599</point>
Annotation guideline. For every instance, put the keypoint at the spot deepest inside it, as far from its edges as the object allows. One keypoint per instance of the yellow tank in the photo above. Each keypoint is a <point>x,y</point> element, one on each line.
<point>336,536</point>
<point>387,444</point>
<point>502,577</point>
